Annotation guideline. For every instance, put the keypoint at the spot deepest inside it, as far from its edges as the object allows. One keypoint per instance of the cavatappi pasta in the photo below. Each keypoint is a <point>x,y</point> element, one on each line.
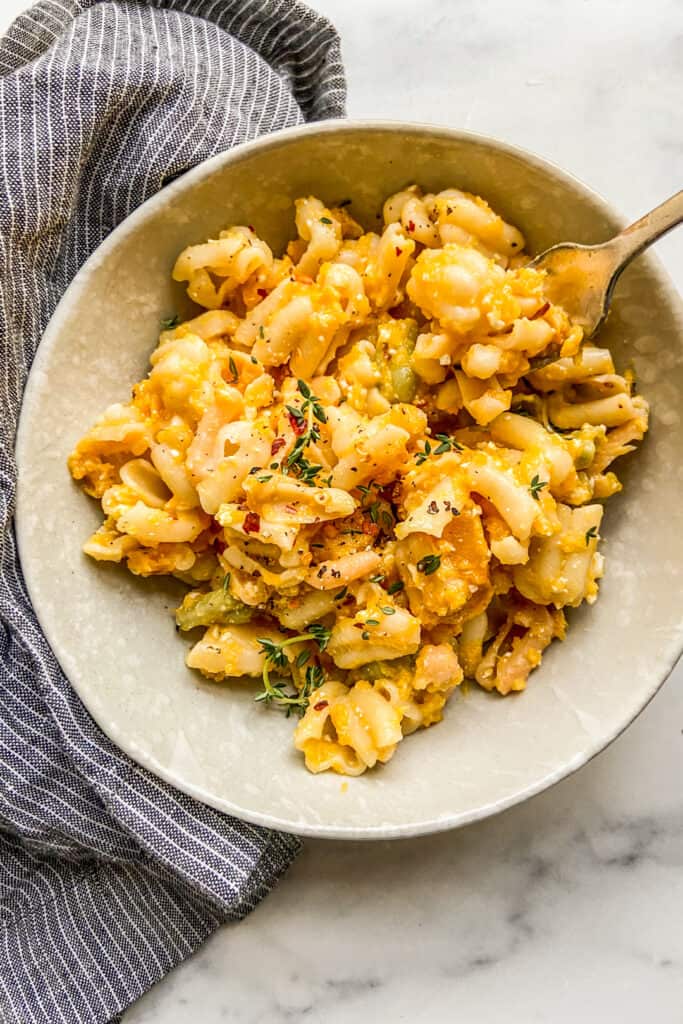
<point>376,461</point>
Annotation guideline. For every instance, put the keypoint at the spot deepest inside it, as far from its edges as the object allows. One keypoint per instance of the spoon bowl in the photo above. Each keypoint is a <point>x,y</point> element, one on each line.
<point>582,278</point>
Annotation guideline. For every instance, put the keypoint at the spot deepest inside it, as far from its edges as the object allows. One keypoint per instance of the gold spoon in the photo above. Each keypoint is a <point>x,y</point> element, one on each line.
<point>581,278</point>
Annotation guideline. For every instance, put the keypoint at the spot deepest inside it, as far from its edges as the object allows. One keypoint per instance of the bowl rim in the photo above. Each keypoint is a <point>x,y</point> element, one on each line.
<point>50,336</point>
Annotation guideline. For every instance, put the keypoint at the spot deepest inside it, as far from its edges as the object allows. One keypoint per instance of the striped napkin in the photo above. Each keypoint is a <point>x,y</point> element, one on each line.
<point>108,877</point>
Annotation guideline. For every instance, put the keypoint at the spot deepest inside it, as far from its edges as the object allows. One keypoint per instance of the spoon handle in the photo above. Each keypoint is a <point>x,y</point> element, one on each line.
<point>648,229</point>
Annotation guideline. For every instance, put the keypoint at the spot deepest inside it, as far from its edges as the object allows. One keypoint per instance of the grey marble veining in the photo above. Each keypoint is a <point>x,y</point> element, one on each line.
<point>568,908</point>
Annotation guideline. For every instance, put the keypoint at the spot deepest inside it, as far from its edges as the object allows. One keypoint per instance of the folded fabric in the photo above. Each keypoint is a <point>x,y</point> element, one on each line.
<point>108,877</point>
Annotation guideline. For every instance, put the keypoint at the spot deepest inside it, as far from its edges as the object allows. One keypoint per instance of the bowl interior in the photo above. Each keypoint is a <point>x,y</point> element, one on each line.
<point>114,635</point>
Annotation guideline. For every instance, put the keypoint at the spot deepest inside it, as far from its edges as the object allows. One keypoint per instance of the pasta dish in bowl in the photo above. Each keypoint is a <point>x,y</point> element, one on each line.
<point>363,488</point>
<point>376,461</point>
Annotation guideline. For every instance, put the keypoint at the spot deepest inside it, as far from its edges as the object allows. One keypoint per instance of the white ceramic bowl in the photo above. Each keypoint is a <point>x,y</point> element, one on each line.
<point>114,634</point>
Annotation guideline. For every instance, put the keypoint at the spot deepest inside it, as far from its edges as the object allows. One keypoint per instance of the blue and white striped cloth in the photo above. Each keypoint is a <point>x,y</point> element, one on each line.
<point>108,878</point>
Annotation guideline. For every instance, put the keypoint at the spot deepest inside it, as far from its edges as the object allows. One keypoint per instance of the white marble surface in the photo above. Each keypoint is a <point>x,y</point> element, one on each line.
<point>568,908</point>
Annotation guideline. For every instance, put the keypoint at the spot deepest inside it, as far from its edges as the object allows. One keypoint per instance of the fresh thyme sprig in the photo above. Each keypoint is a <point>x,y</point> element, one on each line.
<point>446,444</point>
<point>321,634</point>
<point>422,456</point>
<point>311,401</point>
<point>429,564</point>
<point>308,471</point>
<point>536,486</point>
<point>302,442</point>
<point>275,657</point>
<point>309,432</point>
<point>275,691</point>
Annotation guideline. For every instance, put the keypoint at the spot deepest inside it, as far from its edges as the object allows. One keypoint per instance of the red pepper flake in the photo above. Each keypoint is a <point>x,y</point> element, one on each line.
<point>277,444</point>
<point>298,426</point>
<point>541,312</point>
<point>220,545</point>
<point>368,527</point>
<point>321,705</point>
<point>252,522</point>
<point>398,250</point>
<point>411,225</point>
<point>251,227</point>
<point>291,509</point>
<point>262,292</point>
